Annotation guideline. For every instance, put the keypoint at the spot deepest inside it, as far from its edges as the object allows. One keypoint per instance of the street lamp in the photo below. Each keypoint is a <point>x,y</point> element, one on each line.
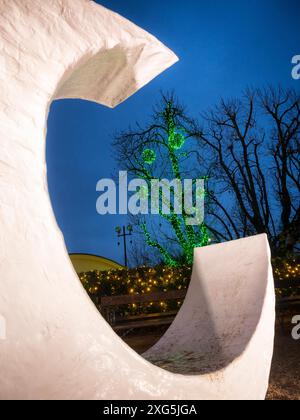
<point>123,233</point>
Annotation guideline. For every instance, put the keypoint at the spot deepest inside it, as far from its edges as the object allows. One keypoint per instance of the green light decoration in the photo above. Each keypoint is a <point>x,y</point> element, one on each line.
<point>205,238</point>
<point>201,193</point>
<point>143,192</point>
<point>176,140</point>
<point>186,236</point>
<point>166,256</point>
<point>149,156</point>
<point>188,245</point>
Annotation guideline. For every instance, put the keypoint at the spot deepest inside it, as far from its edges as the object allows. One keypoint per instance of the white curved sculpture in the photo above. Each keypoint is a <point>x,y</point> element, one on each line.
<point>56,345</point>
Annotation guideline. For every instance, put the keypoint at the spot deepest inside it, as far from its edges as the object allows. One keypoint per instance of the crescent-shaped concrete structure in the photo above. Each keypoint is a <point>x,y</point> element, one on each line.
<point>54,343</point>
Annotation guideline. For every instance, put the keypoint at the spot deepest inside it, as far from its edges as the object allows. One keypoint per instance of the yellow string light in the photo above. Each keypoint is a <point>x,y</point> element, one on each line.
<point>160,279</point>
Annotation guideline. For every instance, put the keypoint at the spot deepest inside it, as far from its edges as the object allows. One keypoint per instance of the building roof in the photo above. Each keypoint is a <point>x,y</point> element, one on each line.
<point>88,262</point>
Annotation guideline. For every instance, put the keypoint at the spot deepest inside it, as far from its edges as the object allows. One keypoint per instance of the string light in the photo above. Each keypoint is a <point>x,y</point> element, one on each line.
<point>158,279</point>
<point>139,281</point>
<point>286,270</point>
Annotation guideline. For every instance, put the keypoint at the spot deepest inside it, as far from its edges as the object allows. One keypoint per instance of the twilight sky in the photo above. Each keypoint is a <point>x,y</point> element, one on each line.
<point>223,46</point>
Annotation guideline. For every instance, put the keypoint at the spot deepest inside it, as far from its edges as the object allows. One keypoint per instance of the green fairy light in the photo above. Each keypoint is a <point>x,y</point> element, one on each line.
<point>176,140</point>
<point>149,156</point>
<point>201,193</point>
<point>144,192</point>
<point>166,256</point>
<point>172,145</point>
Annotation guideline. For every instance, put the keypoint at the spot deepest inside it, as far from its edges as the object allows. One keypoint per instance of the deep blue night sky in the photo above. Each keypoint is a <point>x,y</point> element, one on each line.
<point>223,46</point>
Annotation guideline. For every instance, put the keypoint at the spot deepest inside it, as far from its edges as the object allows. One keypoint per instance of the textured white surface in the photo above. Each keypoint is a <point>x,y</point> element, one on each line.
<point>57,345</point>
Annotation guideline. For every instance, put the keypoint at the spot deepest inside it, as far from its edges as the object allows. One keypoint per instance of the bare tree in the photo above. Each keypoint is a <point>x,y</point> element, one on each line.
<point>251,150</point>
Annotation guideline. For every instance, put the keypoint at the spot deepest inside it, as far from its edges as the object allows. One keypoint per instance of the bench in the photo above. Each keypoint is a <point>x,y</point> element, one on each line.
<point>121,324</point>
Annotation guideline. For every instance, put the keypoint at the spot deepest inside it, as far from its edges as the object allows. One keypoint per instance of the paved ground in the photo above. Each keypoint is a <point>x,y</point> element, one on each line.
<point>285,374</point>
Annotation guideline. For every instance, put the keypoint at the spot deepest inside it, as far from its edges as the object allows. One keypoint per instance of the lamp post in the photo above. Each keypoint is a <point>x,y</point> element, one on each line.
<point>123,233</point>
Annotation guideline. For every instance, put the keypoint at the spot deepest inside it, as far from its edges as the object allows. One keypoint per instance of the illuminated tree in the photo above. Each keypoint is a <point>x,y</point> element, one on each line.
<point>165,150</point>
<point>246,148</point>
